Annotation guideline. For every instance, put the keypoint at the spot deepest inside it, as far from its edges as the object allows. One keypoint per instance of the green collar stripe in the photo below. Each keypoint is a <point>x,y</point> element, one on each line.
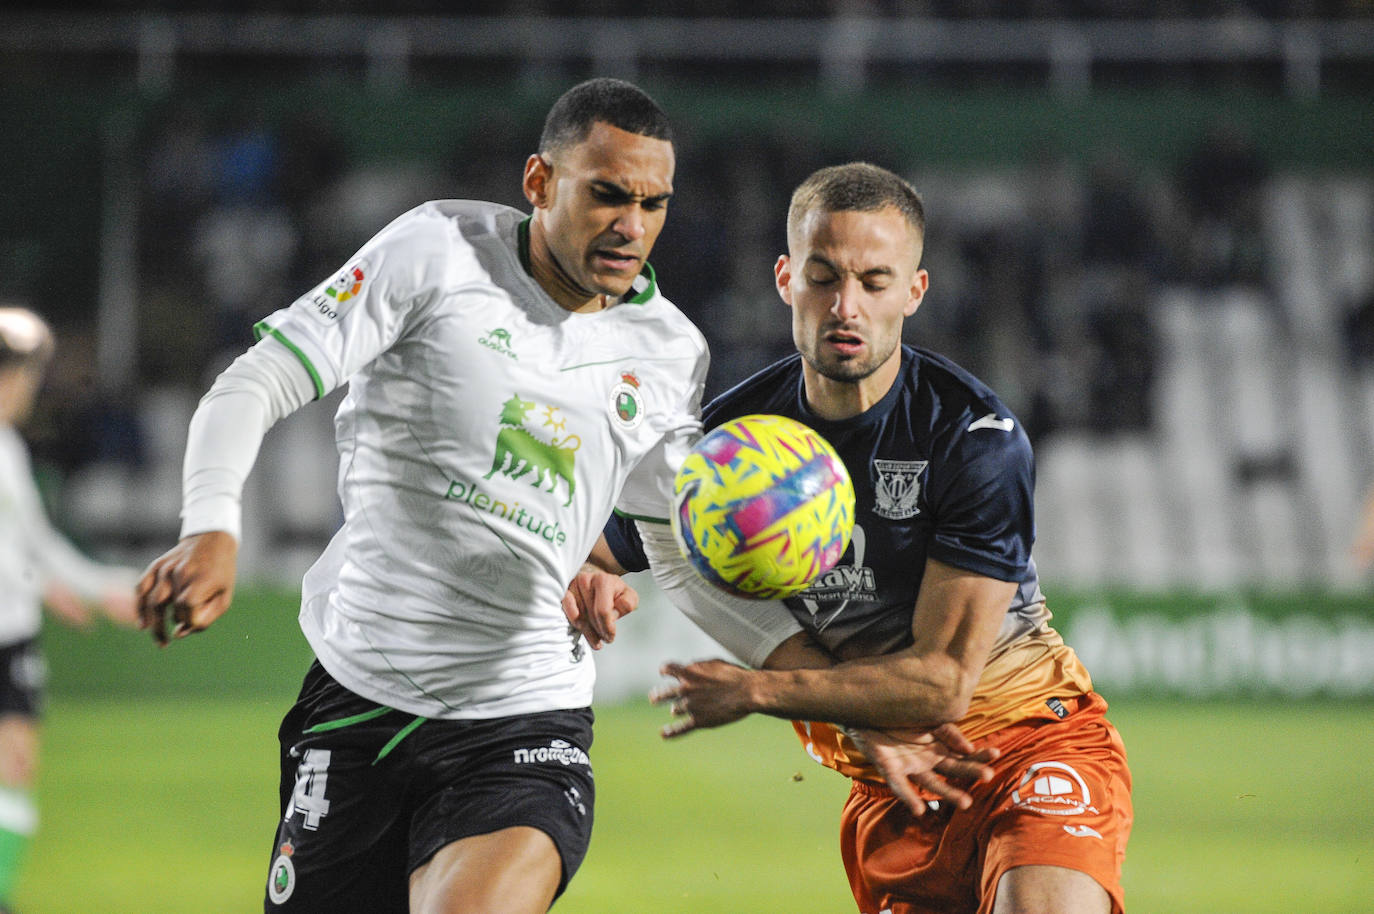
<point>522,244</point>
<point>260,329</point>
<point>522,247</point>
<point>640,298</point>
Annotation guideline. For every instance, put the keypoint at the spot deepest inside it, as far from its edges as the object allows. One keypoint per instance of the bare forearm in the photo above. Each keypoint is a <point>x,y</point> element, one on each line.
<point>867,692</point>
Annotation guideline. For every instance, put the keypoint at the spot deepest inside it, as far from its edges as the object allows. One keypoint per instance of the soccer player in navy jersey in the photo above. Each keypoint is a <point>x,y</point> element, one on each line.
<point>934,617</point>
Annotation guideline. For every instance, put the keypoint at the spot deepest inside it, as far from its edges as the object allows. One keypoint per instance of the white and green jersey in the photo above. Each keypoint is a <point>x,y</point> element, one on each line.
<point>486,436</point>
<point>33,554</point>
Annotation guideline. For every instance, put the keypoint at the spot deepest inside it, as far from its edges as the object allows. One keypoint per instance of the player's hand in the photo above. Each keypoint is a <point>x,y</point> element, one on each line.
<point>594,601</point>
<point>189,586</point>
<point>708,693</point>
<point>937,761</point>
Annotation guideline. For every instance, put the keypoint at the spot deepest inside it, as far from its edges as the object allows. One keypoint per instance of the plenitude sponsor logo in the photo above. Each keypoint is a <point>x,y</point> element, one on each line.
<point>471,493</point>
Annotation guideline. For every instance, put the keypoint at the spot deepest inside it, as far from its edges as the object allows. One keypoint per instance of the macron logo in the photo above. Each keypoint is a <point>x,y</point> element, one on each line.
<point>991,421</point>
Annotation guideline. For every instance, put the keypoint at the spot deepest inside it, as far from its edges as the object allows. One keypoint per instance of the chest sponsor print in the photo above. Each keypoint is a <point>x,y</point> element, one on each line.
<point>842,585</point>
<point>520,452</point>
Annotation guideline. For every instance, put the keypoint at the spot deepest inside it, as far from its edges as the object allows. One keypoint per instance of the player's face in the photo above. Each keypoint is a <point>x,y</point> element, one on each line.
<point>599,206</point>
<point>851,279</point>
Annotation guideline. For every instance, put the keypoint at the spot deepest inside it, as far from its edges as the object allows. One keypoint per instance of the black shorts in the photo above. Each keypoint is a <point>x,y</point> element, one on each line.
<point>369,793</point>
<point>23,676</point>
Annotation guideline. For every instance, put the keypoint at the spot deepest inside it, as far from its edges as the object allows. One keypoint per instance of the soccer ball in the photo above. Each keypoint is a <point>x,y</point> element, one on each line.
<point>762,506</point>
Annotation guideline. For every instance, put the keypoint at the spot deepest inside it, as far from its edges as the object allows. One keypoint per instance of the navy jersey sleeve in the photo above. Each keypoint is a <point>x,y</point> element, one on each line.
<point>983,504</point>
<point>623,539</point>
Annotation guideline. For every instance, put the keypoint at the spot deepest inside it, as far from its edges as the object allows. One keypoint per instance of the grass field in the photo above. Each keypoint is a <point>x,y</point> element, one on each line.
<point>160,807</point>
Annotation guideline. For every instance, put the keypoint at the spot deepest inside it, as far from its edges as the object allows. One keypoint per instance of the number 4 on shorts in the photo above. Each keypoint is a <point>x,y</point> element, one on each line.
<point>308,797</point>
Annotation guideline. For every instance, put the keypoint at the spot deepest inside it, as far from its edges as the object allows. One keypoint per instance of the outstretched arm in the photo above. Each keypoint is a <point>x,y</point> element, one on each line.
<point>937,760</point>
<point>191,585</point>
<point>958,614</point>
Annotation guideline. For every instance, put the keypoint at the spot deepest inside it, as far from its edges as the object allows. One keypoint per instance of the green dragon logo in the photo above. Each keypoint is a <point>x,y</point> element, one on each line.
<point>519,453</point>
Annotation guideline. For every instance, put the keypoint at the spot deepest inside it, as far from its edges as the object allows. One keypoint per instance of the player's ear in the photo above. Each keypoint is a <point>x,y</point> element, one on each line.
<point>782,275</point>
<point>538,183</point>
<point>920,281</point>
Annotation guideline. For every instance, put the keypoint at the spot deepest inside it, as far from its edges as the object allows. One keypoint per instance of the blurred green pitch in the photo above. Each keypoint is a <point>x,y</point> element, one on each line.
<point>154,804</point>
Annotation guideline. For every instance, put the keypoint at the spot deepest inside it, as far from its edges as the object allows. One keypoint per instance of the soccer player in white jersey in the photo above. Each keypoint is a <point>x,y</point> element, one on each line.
<point>37,567</point>
<point>511,380</point>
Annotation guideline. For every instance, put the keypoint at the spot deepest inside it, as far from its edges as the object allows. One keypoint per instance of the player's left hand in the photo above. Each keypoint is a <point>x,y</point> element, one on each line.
<point>594,601</point>
<point>708,693</point>
<point>937,761</point>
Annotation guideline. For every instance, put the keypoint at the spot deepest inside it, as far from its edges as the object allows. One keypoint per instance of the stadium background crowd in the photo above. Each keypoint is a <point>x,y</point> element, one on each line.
<point>1164,263</point>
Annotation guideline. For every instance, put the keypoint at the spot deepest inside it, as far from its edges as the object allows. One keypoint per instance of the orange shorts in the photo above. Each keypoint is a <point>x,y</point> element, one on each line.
<point>1061,796</point>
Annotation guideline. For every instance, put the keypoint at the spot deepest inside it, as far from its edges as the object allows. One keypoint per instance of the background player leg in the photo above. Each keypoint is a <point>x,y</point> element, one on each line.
<point>18,813</point>
<point>511,871</point>
<point>1049,890</point>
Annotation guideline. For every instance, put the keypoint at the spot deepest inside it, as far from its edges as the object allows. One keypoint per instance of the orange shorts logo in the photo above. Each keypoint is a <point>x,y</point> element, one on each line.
<point>1054,789</point>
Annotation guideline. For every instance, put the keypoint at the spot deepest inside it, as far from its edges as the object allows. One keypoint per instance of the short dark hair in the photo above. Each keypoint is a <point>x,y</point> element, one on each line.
<point>856,187</point>
<point>611,101</point>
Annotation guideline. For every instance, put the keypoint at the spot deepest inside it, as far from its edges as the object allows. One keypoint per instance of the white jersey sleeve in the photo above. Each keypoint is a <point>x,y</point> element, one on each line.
<point>33,553</point>
<point>262,386</point>
<point>749,629</point>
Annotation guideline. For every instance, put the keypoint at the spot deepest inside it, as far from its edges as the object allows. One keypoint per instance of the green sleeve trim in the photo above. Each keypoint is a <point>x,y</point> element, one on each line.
<point>348,721</point>
<point>260,329</point>
<point>647,520</point>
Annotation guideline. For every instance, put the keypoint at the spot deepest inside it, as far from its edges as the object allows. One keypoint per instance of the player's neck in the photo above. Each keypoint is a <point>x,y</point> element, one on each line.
<point>836,400</point>
<point>554,280</point>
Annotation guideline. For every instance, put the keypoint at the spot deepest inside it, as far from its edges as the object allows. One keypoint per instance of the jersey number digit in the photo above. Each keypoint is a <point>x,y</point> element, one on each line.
<point>308,797</point>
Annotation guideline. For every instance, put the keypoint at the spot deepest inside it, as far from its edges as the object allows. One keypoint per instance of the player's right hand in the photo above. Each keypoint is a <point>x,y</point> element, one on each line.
<point>189,586</point>
<point>593,602</point>
<point>936,761</point>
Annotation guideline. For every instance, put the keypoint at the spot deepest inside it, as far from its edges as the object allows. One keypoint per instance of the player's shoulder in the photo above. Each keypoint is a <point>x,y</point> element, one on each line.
<point>960,403</point>
<point>466,220</point>
<point>646,307</point>
<point>772,389</point>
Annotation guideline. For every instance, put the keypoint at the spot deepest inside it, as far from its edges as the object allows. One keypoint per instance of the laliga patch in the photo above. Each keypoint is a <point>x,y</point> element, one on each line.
<point>282,882</point>
<point>1052,789</point>
<point>627,401</point>
<point>330,302</point>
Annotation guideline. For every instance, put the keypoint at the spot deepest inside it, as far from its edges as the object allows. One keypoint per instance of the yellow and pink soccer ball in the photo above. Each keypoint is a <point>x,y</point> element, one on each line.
<point>763,506</point>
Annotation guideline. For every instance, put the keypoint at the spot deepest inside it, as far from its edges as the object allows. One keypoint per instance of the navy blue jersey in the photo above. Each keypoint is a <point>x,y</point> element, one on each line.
<point>941,469</point>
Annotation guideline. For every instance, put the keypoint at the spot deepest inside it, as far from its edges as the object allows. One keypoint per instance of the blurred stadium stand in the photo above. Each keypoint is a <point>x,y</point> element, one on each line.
<point>1151,229</point>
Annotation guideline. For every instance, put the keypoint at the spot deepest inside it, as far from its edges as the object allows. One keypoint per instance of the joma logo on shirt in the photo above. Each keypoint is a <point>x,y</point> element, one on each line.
<point>518,452</point>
